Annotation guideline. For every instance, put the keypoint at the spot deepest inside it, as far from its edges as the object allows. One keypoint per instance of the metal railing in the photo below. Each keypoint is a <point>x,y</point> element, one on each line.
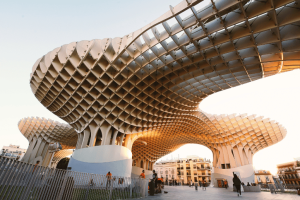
<point>23,181</point>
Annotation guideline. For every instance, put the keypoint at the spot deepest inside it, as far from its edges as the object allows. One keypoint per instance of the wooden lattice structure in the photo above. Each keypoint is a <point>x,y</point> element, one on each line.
<point>150,82</point>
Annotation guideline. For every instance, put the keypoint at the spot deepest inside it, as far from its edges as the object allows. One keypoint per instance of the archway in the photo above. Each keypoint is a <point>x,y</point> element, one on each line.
<point>98,138</point>
<point>190,162</point>
<point>63,163</point>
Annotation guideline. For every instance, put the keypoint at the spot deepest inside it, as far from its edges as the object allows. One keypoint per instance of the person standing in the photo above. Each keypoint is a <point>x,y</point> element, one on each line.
<point>203,184</point>
<point>35,166</point>
<point>108,179</point>
<point>143,174</point>
<point>237,184</point>
<point>154,178</point>
<point>225,184</point>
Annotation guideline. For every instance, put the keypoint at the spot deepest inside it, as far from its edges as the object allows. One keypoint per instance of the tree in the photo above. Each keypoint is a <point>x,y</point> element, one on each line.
<point>63,163</point>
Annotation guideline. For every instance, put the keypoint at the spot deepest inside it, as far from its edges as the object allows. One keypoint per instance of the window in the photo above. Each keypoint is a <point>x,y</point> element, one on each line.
<point>258,179</point>
<point>267,179</point>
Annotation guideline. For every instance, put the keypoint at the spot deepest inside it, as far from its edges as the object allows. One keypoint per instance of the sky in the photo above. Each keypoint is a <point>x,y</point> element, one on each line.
<point>30,29</point>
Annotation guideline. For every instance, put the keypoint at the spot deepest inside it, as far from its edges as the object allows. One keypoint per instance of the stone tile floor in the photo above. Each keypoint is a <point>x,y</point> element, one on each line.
<point>189,193</point>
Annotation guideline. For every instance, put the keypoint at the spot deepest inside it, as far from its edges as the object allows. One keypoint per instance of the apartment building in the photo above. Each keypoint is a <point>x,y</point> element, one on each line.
<point>13,151</point>
<point>184,170</point>
<point>289,172</point>
<point>263,177</point>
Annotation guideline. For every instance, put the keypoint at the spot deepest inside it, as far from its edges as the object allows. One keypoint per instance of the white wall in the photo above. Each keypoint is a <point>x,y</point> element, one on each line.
<point>101,159</point>
<point>246,173</point>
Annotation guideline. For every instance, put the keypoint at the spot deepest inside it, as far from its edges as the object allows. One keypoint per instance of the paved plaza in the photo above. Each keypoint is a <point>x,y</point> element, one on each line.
<point>185,192</point>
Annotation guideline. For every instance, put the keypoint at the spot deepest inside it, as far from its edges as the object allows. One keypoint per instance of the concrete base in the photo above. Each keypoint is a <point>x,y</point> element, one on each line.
<point>245,173</point>
<point>101,159</point>
<point>252,188</point>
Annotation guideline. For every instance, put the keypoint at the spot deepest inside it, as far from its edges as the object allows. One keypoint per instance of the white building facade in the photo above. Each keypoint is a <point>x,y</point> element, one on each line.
<point>166,170</point>
<point>13,151</point>
<point>184,170</point>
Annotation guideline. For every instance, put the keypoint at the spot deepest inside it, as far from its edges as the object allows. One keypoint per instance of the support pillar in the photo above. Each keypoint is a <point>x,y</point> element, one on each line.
<point>106,134</point>
<point>41,148</point>
<point>94,129</point>
<point>121,139</point>
<point>79,140</point>
<point>115,133</point>
<point>29,150</point>
<point>144,164</point>
<point>85,138</point>
<point>47,158</point>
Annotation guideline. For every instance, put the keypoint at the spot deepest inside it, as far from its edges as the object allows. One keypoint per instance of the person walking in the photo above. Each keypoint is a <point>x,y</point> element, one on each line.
<point>237,184</point>
<point>108,179</point>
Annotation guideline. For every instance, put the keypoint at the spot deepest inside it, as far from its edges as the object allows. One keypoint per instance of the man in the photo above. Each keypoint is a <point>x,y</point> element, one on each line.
<point>108,177</point>
<point>154,178</point>
<point>143,174</point>
<point>237,184</point>
<point>154,175</point>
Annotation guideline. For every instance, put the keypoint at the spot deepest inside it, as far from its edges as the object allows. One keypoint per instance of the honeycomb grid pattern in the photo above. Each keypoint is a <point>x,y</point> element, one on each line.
<point>152,80</point>
<point>51,131</point>
<point>249,132</point>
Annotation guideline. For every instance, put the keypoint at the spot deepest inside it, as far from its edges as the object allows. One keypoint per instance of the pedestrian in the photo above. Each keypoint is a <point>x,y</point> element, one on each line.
<point>35,166</point>
<point>196,185</point>
<point>237,184</point>
<point>108,179</point>
<point>154,178</point>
